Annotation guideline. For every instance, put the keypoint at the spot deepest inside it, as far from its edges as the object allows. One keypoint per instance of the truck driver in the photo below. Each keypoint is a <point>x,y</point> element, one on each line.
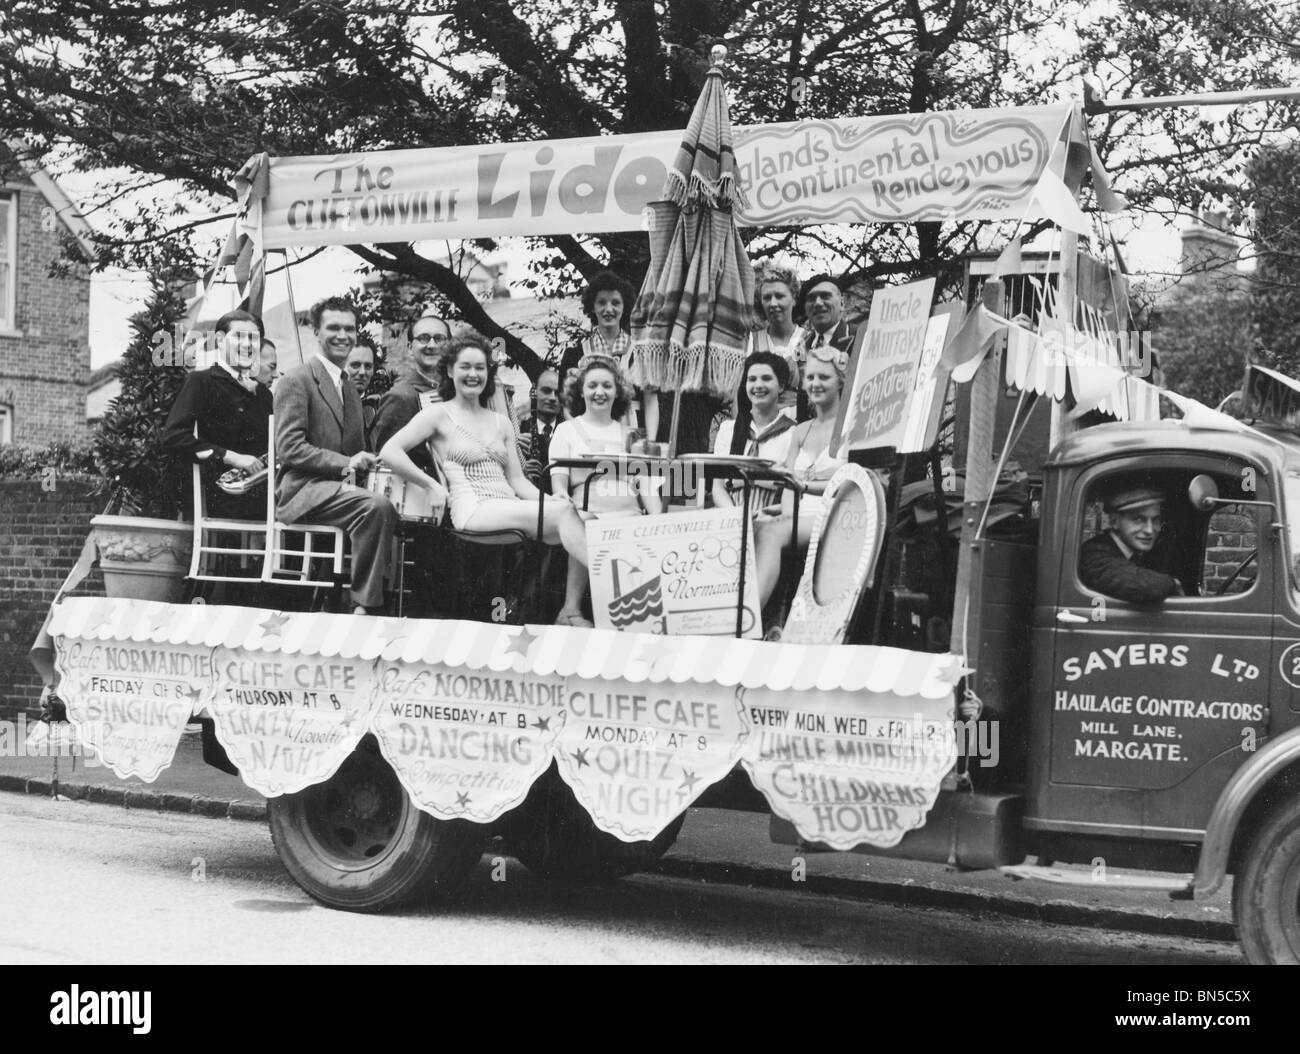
<point>1117,562</point>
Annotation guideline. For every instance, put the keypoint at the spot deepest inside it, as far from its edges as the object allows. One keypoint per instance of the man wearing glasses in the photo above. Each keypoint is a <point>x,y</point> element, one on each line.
<point>417,389</point>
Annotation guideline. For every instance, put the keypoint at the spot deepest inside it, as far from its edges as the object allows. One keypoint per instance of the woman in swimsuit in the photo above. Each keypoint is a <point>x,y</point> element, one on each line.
<point>812,462</point>
<point>597,402</point>
<point>486,485</point>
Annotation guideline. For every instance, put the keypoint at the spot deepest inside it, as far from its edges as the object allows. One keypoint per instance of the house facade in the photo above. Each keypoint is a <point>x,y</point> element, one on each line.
<point>44,317</point>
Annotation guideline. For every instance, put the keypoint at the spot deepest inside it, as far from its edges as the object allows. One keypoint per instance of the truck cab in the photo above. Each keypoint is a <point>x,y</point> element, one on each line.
<point>1166,735</point>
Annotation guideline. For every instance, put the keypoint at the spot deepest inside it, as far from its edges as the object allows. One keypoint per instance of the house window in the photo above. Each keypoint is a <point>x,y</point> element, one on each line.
<point>6,424</point>
<point>8,258</point>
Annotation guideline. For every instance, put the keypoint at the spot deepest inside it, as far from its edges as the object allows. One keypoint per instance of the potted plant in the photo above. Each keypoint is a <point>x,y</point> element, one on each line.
<point>144,546</point>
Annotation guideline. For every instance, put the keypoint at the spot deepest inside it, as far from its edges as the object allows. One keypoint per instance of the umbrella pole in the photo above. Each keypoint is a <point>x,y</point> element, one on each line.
<point>676,420</point>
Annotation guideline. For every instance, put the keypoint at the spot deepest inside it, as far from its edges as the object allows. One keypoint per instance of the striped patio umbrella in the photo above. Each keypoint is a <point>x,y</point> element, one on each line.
<point>695,310</point>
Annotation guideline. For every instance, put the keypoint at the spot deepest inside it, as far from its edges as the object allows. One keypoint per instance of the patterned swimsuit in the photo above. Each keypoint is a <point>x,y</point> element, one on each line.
<point>476,472</point>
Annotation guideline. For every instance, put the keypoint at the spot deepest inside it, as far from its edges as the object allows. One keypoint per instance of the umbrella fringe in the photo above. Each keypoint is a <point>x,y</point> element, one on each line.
<point>725,368</point>
<point>648,364</point>
<point>722,193</point>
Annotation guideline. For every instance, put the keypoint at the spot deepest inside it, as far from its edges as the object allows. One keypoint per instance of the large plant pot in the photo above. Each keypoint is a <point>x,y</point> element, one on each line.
<point>143,558</point>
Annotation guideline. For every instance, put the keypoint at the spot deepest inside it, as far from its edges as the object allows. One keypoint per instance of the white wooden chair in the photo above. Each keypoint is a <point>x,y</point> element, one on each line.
<point>329,550</point>
<point>251,550</point>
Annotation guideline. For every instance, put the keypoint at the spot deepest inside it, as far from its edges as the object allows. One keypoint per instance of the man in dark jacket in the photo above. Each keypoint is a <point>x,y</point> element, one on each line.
<point>1117,562</point>
<point>417,389</point>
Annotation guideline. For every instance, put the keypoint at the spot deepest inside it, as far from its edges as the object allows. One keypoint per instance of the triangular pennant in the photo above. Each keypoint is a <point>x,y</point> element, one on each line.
<point>1009,260</point>
<point>1058,203</point>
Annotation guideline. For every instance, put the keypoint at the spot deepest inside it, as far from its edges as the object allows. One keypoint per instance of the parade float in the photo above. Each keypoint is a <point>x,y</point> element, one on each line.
<point>391,749</point>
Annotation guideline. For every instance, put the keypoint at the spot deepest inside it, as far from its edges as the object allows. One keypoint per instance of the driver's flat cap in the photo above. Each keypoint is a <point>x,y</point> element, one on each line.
<point>1127,498</point>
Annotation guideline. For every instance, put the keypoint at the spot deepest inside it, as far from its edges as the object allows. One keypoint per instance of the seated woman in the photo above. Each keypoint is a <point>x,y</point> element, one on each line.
<point>597,401</point>
<point>760,429</point>
<point>486,485</point>
<point>810,459</point>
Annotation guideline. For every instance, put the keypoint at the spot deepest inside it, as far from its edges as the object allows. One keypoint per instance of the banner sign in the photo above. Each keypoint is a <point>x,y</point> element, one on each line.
<point>846,768</point>
<point>883,373</point>
<point>1271,396</point>
<point>674,573</point>
<point>954,165</point>
<point>637,754</point>
<point>288,721</point>
<point>925,405</point>
<point>130,702</point>
<point>467,743</point>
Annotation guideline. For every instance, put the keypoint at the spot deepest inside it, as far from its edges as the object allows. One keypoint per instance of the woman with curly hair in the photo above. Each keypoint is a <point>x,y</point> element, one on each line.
<point>776,294</point>
<point>486,486</point>
<point>597,400</point>
<point>607,301</point>
<point>812,462</point>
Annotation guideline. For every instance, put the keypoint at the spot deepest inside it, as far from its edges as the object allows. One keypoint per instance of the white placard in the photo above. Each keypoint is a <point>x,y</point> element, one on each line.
<point>675,573</point>
<point>289,721</point>
<point>130,701</point>
<point>467,743</point>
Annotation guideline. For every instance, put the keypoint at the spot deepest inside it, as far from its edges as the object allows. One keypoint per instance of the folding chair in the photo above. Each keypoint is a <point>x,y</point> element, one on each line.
<point>252,557</point>
<point>278,549</point>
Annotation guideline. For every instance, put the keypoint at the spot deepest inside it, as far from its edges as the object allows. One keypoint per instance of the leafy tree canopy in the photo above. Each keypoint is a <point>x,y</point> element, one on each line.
<point>176,94</point>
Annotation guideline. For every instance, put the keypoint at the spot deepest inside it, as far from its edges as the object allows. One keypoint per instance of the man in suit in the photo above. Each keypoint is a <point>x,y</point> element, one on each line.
<point>822,306</point>
<point>543,421</point>
<point>320,440</point>
<point>219,419</point>
<point>417,388</point>
<point>1118,561</point>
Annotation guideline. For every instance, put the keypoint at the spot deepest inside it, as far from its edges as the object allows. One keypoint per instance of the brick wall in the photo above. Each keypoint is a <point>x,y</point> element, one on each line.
<point>44,371</point>
<point>41,534</point>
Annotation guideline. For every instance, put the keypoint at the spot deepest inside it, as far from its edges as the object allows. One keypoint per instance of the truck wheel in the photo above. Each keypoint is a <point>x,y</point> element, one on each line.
<point>357,842</point>
<point>561,843</point>
<point>1266,891</point>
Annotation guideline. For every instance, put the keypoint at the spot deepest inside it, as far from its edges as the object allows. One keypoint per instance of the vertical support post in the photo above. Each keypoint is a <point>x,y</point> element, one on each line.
<point>1066,299</point>
<point>980,471</point>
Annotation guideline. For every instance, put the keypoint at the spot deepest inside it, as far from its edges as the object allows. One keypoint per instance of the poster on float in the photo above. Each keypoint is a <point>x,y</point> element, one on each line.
<point>638,754</point>
<point>882,377</point>
<point>849,768</point>
<point>288,721</point>
<point>674,574</point>
<point>467,743</point>
<point>130,700</point>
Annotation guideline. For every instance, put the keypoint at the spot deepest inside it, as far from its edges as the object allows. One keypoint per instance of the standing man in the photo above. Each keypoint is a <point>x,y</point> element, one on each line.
<point>822,305</point>
<point>228,409</point>
<point>320,440</point>
<point>417,388</point>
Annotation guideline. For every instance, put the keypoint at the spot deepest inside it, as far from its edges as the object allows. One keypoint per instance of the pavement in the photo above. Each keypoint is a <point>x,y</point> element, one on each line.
<point>714,846</point>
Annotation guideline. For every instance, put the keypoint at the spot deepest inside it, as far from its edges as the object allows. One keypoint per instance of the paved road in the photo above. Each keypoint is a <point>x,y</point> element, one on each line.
<point>99,884</point>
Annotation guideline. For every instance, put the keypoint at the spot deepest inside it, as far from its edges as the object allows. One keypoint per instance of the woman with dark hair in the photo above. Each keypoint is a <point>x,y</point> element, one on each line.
<point>607,301</point>
<point>760,429</point>
<point>597,399</point>
<point>486,486</point>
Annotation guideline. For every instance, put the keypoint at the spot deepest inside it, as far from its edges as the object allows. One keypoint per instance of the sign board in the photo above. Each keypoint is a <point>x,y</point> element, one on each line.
<point>883,371</point>
<point>638,753</point>
<point>288,721</point>
<point>130,701</point>
<point>902,168</point>
<point>849,768</point>
<point>674,573</point>
<point>925,406</point>
<point>1271,396</point>
<point>467,743</point>
<point>841,559</point>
